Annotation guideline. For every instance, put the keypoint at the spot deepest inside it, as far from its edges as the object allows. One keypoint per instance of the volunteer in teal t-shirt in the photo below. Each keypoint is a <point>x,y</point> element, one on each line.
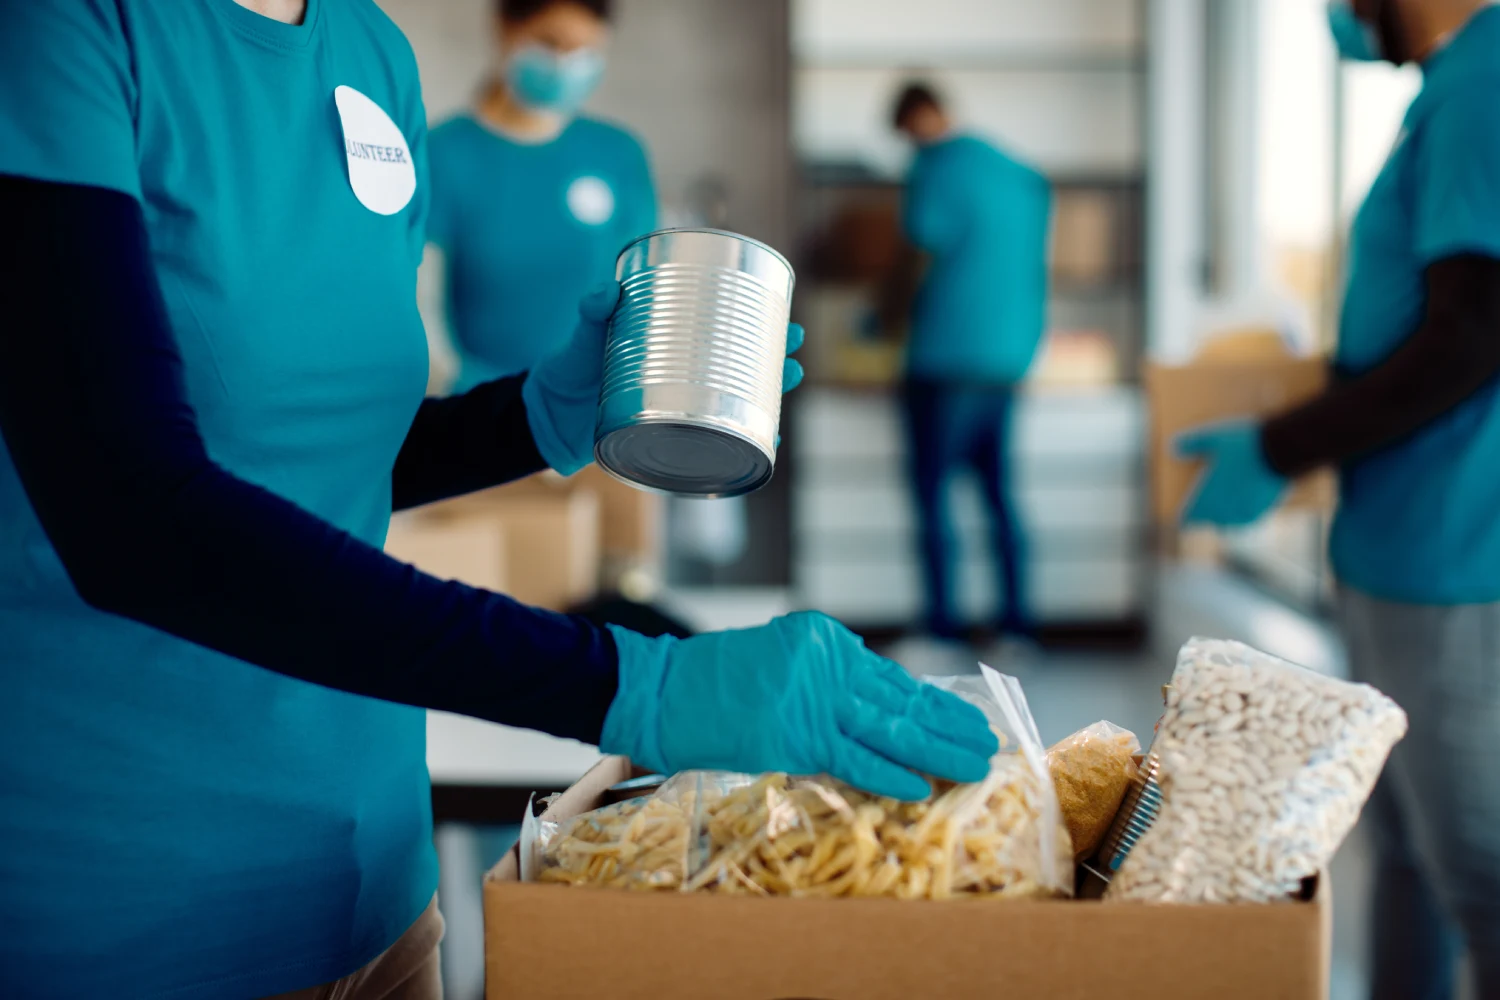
<point>981,217</point>
<point>212,774</point>
<point>1413,422</point>
<point>531,202</point>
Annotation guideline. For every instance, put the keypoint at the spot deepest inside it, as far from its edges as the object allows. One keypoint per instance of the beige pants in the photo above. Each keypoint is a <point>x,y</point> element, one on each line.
<point>407,970</point>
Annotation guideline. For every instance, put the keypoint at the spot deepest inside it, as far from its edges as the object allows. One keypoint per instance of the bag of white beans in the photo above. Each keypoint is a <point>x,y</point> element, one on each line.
<point>1264,768</point>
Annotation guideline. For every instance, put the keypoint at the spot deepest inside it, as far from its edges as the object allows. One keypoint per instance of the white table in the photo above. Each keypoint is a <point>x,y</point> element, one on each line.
<point>463,751</point>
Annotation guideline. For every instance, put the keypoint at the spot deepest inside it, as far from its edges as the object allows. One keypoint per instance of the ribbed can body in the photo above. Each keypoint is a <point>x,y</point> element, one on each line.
<point>691,399</point>
<point>1137,812</point>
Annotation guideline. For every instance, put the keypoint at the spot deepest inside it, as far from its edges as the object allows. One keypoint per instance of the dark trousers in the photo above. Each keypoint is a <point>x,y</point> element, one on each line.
<point>952,427</point>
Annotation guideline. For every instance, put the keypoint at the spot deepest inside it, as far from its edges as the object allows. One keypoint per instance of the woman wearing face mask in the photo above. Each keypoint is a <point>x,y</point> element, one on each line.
<point>532,202</point>
<point>1413,423</point>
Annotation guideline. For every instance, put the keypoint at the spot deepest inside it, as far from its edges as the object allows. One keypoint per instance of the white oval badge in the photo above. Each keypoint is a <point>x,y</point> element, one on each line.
<point>380,168</point>
<point>591,201</point>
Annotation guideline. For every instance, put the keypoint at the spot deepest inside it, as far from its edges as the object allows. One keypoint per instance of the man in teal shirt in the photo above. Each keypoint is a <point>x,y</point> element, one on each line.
<point>1413,422</point>
<point>981,217</point>
<point>531,201</point>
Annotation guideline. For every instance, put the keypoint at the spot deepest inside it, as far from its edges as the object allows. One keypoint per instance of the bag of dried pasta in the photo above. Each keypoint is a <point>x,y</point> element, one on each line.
<point>779,835</point>
<point>641,843</point>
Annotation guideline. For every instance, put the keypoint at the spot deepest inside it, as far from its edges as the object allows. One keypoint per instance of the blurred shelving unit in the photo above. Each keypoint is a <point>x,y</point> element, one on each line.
<point>1062,85</point>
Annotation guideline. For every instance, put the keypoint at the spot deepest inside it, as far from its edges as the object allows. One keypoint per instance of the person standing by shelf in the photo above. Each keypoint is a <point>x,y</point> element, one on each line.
<point>531,201</point>
<point>981,216</point>
<point>1413,423</point>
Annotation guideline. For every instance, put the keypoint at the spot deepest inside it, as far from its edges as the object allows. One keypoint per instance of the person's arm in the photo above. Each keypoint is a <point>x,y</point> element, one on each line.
<point>93,413</point>
<point>465,443</point>
<point>1455,214</point>
<point>1453,199</point>
<point>933,214</point>
<point>1454,354</point>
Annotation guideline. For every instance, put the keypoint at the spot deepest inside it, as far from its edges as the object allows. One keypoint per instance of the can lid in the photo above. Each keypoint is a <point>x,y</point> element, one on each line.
<point>686,459</point>
<point>710,232</point>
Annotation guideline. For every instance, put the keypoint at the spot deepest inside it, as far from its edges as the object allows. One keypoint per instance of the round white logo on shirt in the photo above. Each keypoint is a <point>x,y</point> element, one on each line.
<point>591,201</point>
<point>380,168</point>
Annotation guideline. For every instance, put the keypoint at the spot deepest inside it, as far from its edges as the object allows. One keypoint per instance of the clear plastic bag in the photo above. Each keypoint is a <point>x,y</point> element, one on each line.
<point>1091,771</point>
<point>776,834</point>
<point>1264,767</point>
<point>643,843</point>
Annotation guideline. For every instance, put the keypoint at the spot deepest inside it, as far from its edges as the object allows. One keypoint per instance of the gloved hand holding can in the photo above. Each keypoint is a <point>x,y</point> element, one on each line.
<point>681,392</point>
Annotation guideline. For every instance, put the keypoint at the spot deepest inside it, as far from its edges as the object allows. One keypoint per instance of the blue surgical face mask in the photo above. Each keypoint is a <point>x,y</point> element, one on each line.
<point>1355,40</point>
<point>545,80</point>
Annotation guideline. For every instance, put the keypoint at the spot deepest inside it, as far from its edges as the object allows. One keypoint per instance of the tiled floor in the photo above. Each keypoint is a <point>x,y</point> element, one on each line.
<point>1067,691</point>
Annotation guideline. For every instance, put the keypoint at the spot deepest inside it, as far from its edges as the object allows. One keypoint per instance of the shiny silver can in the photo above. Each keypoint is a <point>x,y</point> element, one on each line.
<point>691,399</point>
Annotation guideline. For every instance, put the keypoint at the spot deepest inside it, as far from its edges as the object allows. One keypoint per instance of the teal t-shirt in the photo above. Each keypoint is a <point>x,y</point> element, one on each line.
<point>982,217</point>
<point>1420,521</point>
<point>174,822</point>
<point>526,231</point>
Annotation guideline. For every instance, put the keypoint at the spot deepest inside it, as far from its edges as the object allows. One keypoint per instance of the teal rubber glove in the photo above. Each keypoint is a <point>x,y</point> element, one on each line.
<point>800,694</point>
<point>562,392</point>
<point>1236,487</point>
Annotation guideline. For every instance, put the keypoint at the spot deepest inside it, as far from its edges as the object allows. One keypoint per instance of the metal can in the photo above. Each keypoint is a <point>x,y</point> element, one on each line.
<point>1137,812</point>
<point>691,399</point>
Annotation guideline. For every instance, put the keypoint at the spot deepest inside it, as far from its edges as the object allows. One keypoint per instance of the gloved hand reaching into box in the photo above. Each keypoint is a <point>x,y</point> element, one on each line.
<point>562,391</point>
<point>800,694</point>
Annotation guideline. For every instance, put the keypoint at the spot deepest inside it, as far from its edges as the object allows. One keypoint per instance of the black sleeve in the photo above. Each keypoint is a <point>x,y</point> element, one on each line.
<point>1454,354</point>
<point>465,443</point>
<point>93,411</point>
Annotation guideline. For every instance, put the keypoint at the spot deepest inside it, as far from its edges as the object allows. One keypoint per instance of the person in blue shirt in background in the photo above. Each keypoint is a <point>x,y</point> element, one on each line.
<point>531,202</point>
<point>981,217</point>
<point>1413,423</point>
<point>212,372</point>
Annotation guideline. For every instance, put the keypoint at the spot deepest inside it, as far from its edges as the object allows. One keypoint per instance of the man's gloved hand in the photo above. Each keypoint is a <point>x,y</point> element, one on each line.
<point>562,391</point>
<point>1236,487</point>
<point>800,694</point>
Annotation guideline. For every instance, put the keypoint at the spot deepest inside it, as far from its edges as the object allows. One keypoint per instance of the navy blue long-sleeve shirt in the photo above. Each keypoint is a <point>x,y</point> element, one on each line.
<point>149,527</point>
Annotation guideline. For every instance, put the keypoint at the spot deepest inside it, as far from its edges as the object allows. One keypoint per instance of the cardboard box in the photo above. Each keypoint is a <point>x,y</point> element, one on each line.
<point>1249,375</point>
<point>551,547</point>
<point>550,941</point>
<point>629,519</point>
<point>541,549</point>
<point>1084,239</point>
<point>469,550</point>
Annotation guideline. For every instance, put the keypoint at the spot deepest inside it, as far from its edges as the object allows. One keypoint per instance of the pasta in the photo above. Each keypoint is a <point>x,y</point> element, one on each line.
<point>777,835</point>
<point>635,844</point>
<point>781,836</point>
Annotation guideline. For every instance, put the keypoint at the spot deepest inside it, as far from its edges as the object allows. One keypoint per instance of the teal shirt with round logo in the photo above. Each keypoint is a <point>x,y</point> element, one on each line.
<point>174,822</point>
<point>526,231</point>
<point>1420,521</point>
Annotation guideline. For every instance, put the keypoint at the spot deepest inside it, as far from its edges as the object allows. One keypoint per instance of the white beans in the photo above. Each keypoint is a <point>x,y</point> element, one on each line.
<point>1264,768</point>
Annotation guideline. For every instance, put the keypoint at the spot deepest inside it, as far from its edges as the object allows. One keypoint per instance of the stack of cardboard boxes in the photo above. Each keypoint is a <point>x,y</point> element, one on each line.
<point>546,540</point>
